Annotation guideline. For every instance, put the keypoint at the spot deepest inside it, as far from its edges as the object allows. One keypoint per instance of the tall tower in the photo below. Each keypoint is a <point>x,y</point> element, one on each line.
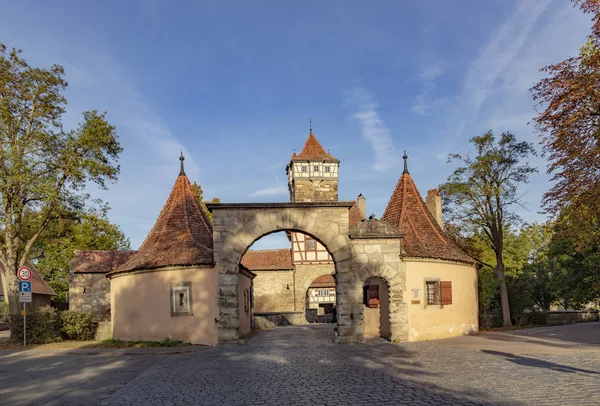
<point>313,174</point>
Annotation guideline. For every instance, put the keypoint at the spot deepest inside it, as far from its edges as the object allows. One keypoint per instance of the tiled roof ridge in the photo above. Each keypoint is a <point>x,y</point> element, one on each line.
<point>432,222</point>
<point>423,236</point>
<point>174,240</point>
<point>271,249</point>
<point>312,150</point>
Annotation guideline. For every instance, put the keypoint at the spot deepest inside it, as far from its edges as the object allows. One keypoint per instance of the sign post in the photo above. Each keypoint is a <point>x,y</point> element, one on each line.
<point>24,274</point>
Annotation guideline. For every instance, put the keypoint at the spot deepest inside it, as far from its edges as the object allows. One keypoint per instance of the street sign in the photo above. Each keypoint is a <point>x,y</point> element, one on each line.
<point>24,273</point>
<point>25,297</point>
<point>24,286</point>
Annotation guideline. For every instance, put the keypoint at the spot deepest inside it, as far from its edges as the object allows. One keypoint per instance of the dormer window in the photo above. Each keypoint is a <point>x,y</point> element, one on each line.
<point>316,168</point>
<point>328,169</point>
<point>304,168</point>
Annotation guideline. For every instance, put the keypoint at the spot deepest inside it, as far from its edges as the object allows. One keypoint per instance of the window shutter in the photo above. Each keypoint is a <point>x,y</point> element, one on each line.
<point>446,292</point>
<point>374,296</point>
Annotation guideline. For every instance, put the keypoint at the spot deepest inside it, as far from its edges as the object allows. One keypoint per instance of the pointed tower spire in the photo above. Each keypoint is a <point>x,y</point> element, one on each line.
<point>181,170</point>
<point>405,157</point>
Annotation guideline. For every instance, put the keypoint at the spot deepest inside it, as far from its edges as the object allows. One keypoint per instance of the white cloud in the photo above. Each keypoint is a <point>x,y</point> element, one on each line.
<point>495,57</point>
<point>428,76</point>
<point>270,191</point>
<point>373,128</point>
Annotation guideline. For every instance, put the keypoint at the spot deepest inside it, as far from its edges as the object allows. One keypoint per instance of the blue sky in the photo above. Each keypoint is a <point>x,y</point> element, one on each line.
<point>234,83</point>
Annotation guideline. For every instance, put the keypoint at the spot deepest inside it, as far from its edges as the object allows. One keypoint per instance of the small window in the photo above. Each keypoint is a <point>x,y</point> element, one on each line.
<point>432,289</point>
<point>247,300</point>
<point>310,244</point>
<point>181,299</point>
<point>1,298</point>
<point>371,296</point>
<point>438,292</point>
<point>327,169</point>
<point>316,168</point>
<point>323,292</point>
<point>304,168</point>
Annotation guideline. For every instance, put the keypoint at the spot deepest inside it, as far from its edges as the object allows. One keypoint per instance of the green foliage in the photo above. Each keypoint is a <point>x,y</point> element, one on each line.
<point>480,195</point>
<point>44,168</point>
<point>77,325</point>
<point>4,312</point>
<point>43,326</point>
<point>52,253</point>
<point>197,189</point>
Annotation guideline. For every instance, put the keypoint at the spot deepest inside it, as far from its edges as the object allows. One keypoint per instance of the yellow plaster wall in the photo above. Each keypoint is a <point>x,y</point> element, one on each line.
<point>141,307</point>
<point>244,283</point>
<point>431,322</point>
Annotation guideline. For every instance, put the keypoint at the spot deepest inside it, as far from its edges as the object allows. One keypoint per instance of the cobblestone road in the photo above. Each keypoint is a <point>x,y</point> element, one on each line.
<point>300,366</point>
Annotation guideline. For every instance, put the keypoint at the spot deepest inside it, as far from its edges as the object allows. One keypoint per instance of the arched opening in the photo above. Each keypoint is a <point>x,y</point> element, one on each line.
<point>321,299</point>
<point>376,314</point>
<point>285,264</point>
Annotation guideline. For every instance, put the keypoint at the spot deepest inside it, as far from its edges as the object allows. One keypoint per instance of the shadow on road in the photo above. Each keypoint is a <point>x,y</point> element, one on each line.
<point>537,363</point>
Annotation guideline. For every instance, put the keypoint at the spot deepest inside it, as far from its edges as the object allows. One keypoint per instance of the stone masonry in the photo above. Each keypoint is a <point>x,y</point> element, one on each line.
<point>370,249</point>
<point>90,293</point>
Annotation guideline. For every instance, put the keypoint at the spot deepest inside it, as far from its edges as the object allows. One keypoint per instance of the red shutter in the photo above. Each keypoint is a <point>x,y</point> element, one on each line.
<point>374,296</point>
<point>446,292</point>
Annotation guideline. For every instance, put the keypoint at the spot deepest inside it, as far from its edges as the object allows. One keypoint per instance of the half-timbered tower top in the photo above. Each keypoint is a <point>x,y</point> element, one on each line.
<point>181,236</point>
<point>423,236</point>
<point>313,173</point>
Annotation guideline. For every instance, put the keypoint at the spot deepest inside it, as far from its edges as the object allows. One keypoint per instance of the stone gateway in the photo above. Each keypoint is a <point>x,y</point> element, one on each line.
<point>399,277</point>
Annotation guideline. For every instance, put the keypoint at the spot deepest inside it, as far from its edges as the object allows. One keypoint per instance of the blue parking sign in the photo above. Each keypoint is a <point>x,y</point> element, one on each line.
<point>24,286</point>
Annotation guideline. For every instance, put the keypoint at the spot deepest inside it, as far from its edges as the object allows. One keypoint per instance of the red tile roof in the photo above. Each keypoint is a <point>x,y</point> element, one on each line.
<point>182,235</point>
<point>268,260</point>
<point>96,261</point>
<point>313,151</point>
<point>323,281</point>
<point>38,285</point>
<point>355,216</point>
<point>423,237</point>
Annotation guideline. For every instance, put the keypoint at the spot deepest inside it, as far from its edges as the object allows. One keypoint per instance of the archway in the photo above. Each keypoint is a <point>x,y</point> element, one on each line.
<point>376,315</point>
<point>321,300</point>
<point>237,225</point>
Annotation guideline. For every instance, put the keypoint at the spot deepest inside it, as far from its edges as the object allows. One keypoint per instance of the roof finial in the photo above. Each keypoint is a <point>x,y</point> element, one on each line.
<point>405,157</point>
<point>181,159</point>
<point>310,128</point>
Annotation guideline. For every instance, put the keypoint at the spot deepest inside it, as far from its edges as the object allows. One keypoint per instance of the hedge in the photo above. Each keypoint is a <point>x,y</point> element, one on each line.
<point>47,325</point>
<point>77,325</point>
<point>43,326</point>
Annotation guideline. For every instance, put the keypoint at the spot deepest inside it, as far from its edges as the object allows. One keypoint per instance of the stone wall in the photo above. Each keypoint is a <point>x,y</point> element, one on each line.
<point>314,190</point>
<point>569,317</point>
<point>90,292</point>
<point>271,292</point>
<point>267,320</point>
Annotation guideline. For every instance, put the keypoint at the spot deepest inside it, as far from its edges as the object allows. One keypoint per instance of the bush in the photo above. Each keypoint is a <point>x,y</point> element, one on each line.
<point>77,325</point>
<point>4,312</point>
<point>43,326</point>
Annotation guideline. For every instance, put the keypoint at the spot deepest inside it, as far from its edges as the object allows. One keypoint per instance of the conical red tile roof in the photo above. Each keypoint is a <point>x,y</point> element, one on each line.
<point>313,151</point>
<point>423,237</point>
<point>182,235</point>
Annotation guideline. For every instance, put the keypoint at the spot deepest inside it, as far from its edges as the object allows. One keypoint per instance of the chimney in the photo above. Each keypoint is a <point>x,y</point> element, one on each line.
<point>362,205</point>
<point>434,204</point>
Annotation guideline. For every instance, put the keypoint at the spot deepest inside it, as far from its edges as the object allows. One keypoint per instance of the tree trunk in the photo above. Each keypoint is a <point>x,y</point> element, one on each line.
<point>12,286</point>
<point>506,322</point>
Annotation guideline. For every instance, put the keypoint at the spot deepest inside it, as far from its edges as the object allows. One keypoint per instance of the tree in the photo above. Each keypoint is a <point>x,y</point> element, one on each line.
<point>53,251</point>
<point>197,189</point>
<point>480,195</point>
<point>44,168</point>
<point>569,126</point>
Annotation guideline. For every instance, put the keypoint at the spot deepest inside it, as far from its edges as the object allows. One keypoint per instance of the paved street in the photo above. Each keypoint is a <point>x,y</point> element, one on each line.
<point>300,365</point>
